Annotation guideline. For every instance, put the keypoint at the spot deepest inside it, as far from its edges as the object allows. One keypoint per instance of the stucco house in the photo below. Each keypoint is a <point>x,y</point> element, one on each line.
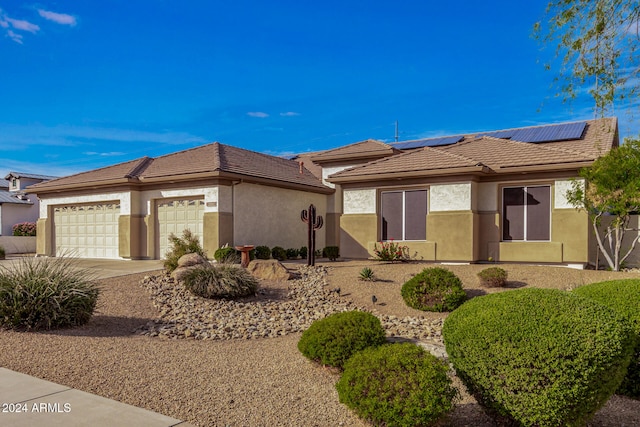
<point>496,195</point>
<point>15,205</point>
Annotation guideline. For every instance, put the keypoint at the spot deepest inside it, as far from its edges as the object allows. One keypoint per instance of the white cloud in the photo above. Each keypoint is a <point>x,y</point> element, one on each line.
<point>289,114</point>
<point>22,25</point>
<point>107,154</point>
<point>59,18</point>
<point>258,114</point>
<point>14,36</point>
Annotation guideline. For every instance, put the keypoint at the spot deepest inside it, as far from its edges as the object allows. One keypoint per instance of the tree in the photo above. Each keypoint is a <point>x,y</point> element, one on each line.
<point>611,188</point>
<point>598,42</point>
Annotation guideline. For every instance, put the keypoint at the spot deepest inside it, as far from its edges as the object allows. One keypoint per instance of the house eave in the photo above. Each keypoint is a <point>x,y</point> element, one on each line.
<point>472,170</point>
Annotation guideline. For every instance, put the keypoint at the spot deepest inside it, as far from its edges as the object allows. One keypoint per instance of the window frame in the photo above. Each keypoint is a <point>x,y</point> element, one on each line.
<point>404,213</point>
<point>525,213</point>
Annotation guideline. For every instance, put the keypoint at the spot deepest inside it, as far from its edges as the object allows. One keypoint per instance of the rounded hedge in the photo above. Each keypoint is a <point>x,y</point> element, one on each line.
<point>263,252</point>
<point>540,357</point>
<point>226,254</point>
<point>434,289</point>
<point>493,277</point>
<point>279,253</point>
<point>623,296</point>
<point>332,340</point>
<point>397,385</point>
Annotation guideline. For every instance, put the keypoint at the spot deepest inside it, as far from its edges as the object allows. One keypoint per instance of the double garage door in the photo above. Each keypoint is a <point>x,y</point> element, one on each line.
<point>87,231</point>
<point>91,231</point>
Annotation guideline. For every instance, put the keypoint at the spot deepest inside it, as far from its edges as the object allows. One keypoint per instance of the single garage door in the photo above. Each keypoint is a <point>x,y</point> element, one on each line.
<point>87,231</point>
<point>175,216</point>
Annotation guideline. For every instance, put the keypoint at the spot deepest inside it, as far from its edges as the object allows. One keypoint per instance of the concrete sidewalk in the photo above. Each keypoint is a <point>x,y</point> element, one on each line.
<point>28,401</point>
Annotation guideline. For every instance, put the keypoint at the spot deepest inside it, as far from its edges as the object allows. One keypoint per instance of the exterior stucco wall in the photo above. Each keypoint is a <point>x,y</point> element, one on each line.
<point>358,234</point>
<point>455,235</point>
<point>18,244</point>
<point>359,201</point>
<point>450,197</point>
<point>264,215</point>
<point>12,214</point>
<point>125,199</point>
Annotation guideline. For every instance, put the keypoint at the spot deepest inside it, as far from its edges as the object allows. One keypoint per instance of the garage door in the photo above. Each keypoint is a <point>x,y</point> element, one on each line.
<point>87,231</point>
<point>175,216</point>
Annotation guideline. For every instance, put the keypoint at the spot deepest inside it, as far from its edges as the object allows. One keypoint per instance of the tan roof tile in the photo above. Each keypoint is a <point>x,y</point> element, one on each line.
<point>369,148</point>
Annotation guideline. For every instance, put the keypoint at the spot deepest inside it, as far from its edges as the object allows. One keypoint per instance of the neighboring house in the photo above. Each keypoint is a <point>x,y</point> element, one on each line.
<point>496,195</point>
<point>15,205</point>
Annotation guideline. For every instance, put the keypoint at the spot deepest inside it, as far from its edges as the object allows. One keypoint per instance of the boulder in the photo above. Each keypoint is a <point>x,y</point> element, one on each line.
<point>189,260</point>
<point>269,269</point>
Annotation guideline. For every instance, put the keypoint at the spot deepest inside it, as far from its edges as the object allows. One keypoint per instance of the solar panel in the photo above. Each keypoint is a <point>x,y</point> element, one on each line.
<point>548,133</point>
<point>429,142</point>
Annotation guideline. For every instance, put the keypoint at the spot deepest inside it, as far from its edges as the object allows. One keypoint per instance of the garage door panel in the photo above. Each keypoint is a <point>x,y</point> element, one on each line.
<point>175,216</point>
<point>87,231</point>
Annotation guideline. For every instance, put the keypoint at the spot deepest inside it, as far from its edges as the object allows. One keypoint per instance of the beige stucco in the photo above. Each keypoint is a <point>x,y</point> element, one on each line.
<point>450,197</point>
<point>358,233</point>
<point>550,252</point>
<point>270,216</point>
<point>455,235</point>
<point>218,231</point>
<point>360,201</point>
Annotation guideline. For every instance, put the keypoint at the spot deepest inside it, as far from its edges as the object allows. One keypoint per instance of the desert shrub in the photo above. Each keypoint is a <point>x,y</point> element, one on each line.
<point>367,274</point>
<point>318,253</point>
<point>623,296</point>
<point>278,252</point>
<point>220,281</point>
<point>331,252</point>
<point>24,229</point>
<point>292,253</point>
<point>493,277</point>
<point>391,251</point>
<point>539,357</point>
<point>263,252</point>
<point>3,254</point>
<point>179,246</point>
<point>227,255</point>
<point>46,293</point>
<point>434,289</point>
<point>332,340</point>
<point>397,385</point>
<point>303,252</point>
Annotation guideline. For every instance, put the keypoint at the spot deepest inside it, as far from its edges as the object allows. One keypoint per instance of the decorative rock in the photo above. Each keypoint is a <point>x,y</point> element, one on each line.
<point>189,260</point>
<point>270,269</point>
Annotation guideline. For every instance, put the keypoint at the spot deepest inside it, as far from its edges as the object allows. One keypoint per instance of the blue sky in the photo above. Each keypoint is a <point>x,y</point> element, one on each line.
<point>87,84</point>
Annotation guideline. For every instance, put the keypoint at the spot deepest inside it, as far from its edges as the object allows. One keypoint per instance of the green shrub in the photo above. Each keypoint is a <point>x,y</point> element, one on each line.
<point>227,255</point>
<point>331,252</point>
<point>180,246</point>
<point>46,293</point>
<point>303,252</point>
<point>493,277</point>
<point>434,289</point>
<point>220,281</point>
<point>332,340</point>
<point>623,296</point>
<point>367,274</point>
<point>397,385</point>
<point>24,229</point>
<point>540,357</point>
<point>278,252</point>
<point>3,254</point>
<point>292,253</point>
<point>263,252</point>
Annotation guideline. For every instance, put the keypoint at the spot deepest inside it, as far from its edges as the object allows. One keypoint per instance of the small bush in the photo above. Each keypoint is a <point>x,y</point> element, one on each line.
<point>623,296</point>
<point>3,254</point>
<point>331,252</point>
<point>292,253</point>
<point>227,255</point>
<point>263,252</point>
<point>397,385</point>
<point>493,277</point>
<point>46,293</point>
<point>391,251</point>
<point>332,340</point>
<point>180,246</point>
<point>220,281</point>
<point>303,252</point>
<point>367,274</point>
<point>539,357</point>
<point>434,289</point>
<point>319,253</point>
<point>278,252</point>
<point>24,229</point>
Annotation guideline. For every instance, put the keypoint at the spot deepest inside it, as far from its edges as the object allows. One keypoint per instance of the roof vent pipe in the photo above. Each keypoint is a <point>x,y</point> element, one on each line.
<point>301,165</point>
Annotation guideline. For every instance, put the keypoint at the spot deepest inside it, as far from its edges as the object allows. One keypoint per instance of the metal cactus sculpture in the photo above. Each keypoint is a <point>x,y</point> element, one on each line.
<point>314,222</point>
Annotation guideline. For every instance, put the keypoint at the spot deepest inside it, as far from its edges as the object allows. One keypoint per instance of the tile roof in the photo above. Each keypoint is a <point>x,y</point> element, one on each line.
<point>29,175</point>
<point>369,148</point>
<point>211,159</point>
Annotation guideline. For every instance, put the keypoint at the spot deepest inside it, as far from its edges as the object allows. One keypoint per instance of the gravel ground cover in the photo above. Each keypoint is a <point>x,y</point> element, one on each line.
<point>138,353</point>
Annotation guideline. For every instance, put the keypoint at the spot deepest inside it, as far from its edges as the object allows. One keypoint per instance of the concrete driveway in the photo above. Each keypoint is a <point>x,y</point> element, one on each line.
<point>101,268</point>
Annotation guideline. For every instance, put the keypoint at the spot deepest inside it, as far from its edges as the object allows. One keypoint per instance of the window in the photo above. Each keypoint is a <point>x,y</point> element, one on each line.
<point>404,215</point>
<point>14,183</point>
<point>526,213</point>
